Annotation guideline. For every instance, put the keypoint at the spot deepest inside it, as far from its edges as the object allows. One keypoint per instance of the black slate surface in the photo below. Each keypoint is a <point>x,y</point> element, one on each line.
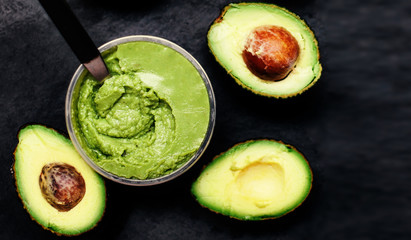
<point>354,125</point>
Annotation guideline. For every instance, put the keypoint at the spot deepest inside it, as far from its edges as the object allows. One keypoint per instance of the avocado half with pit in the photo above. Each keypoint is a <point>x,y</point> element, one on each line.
<point>57,188</point>
<point>255,180</point>
<point>266,49</point>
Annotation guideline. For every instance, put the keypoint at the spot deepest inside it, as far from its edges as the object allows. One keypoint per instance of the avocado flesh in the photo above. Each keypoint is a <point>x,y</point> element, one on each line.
<point>228,34</point>
<point>37,147</point>
<point>255,180</point>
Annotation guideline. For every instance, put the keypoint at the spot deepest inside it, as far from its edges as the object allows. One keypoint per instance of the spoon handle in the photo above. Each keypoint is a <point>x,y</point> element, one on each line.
<point>76,36</point>
<point>71,29</point>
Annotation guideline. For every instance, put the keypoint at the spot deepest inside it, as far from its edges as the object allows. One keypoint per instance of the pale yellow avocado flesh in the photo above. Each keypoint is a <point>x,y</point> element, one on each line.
<point>37,147</point>
<point>255,180</point>
<point>228,34</point>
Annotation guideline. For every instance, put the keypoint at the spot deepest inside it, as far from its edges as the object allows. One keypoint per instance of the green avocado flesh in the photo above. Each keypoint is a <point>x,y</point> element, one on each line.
<point>149,118</point>
<point>228,34</point>
<point>39,147</point>
<point>255,180</point>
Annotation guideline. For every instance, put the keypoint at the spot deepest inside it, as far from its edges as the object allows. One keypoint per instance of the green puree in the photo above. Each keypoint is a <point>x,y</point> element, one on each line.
<point>148,118</point>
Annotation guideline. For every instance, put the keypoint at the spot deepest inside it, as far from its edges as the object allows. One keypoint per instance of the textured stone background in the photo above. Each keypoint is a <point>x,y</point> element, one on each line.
<point>354,126</point>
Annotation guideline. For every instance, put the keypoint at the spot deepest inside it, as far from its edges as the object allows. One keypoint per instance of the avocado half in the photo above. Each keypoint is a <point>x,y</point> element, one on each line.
<point>57,188</point>
<point>228,34</point>
<point>255,180</point>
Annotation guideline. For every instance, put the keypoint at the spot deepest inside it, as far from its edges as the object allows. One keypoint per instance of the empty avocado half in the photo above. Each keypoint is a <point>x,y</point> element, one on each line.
<point>58,189</point>
<point>266,49</point>
<point>255,180</point>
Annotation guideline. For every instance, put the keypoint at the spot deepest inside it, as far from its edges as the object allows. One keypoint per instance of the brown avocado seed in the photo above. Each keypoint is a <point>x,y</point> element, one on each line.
<point>270,52</point>
<point>62,186</point>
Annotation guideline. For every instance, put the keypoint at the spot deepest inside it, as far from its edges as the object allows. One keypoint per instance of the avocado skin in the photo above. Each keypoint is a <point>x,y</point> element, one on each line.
<point>220,18</point>
<point>51,227</point>
<point>242,146</point>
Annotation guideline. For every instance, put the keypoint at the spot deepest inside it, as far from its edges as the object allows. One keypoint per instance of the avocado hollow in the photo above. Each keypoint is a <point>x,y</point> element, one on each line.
<point>255,180</point>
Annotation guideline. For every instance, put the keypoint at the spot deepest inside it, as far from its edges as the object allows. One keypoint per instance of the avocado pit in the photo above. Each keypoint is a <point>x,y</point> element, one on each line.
<point>62,186</point>
<point>270,52</point>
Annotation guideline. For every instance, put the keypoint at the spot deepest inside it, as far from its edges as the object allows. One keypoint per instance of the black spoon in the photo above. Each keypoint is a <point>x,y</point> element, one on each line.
<point>76,37</point>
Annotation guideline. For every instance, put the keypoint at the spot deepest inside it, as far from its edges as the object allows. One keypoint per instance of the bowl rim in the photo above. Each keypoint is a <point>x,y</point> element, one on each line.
<point>204,144</point>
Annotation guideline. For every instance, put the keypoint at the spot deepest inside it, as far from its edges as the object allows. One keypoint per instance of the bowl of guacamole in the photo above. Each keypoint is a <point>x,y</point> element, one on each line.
<point>150,120</point>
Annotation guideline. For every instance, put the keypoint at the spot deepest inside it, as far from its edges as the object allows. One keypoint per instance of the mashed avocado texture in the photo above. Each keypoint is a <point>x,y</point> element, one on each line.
<point>148,118</point>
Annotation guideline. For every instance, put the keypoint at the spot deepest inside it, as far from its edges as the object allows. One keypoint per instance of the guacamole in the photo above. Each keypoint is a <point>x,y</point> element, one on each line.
<point>148,118</point>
